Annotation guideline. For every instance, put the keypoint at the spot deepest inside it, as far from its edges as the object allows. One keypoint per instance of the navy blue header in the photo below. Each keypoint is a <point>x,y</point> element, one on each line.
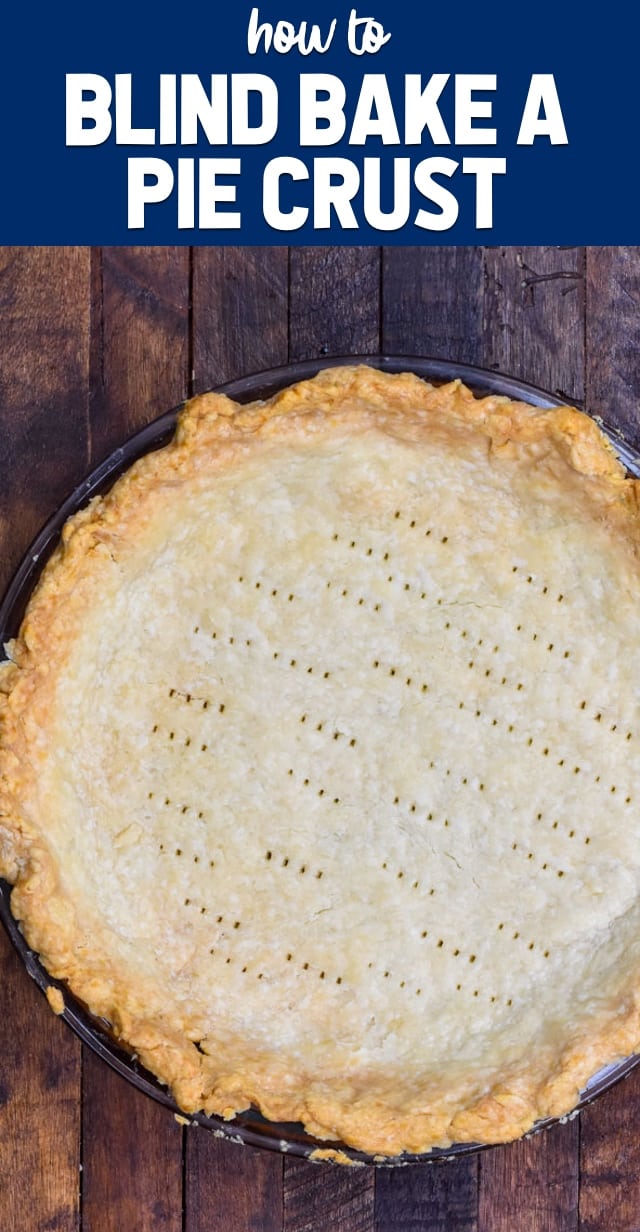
<point>282,123</point>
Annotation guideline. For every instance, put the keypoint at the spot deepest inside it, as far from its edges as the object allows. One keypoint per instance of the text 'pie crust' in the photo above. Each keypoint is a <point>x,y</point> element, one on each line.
<point>319,760</point>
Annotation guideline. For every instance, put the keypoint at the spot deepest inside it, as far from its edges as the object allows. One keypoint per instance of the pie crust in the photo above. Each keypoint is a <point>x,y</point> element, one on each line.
<point>318,760</point>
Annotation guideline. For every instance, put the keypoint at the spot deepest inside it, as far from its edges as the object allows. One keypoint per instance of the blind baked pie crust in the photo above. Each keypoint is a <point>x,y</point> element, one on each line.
<point>318,760</point>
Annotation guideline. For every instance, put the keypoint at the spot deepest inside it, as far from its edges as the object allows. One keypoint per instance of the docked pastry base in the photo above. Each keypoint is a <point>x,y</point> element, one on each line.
<point>318,761</point>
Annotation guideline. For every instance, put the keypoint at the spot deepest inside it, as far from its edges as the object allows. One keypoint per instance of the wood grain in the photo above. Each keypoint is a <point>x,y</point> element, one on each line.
<point>44,364</point>
<point>131,1156</point>
<point>610,1160</point>
<point>334,309</point>
<point>39,1108</point>
<point>240,310</point>
<point>533,329</point>
<point>432,303</point>
<point>531,1186</point>
<point>613,338</point>
<point>424,312</point>
<point>610,1145</point>
<point>321,1195</point>
<point>44,368</point>
<point>240,306</point>
<point>534,305</point>
<point>141,299</point>
<point>334,306</point>
<point>441,1197</point>
<point>140,347</point>
<point>231,1187</point>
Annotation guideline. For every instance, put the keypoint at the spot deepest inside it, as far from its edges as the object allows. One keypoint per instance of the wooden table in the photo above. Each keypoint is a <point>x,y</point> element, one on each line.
<point>93,343</point>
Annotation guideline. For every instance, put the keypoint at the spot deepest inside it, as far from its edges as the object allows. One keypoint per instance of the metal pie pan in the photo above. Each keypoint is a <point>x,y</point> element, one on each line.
<point>250,1127</point>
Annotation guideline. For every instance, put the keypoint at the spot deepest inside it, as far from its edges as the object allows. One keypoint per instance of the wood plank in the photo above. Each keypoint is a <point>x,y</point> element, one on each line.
<point>531,1186</point>
<point>240,298</point>
<point>44,370</point>
<point>230,1187</point>
<point>240,306</point>
<point>441,1197</point>
<point>39,1107</point>
<point>331,1196</point>
<point>610,1147</point>
<point>425,312</point>
<point>44,365</point>
<point>335,302</point>
<point>613,338</point>
<point>141,340</point>
<point>432,303</point>
<point>512,310</point>
<point>534,312</point>
<point>610,1160</point>
<point>132,1147</point>
<point>334,310</point>
<point>132,1156</point>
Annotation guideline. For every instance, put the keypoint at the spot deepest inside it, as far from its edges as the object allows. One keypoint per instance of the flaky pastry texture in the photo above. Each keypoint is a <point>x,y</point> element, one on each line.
<point>318,760</point>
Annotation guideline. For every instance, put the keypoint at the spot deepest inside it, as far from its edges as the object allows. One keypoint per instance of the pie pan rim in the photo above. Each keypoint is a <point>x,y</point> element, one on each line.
<point>251,1128</point>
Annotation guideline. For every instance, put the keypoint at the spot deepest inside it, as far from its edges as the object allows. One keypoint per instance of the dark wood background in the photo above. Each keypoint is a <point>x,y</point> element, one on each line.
<point>94,343</point>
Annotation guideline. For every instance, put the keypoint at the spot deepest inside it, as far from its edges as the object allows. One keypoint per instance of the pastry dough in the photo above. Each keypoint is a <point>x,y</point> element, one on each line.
<point>319,760</point>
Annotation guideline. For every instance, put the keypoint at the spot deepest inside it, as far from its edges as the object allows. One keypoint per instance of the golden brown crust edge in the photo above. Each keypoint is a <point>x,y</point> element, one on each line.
<point>208,425</point>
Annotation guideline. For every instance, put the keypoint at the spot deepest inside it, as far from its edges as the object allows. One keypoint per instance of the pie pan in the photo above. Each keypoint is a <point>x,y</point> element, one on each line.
<point>250,1127</point>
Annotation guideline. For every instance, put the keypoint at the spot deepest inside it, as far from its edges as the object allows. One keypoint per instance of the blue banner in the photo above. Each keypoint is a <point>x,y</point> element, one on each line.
<point>281,123</point>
